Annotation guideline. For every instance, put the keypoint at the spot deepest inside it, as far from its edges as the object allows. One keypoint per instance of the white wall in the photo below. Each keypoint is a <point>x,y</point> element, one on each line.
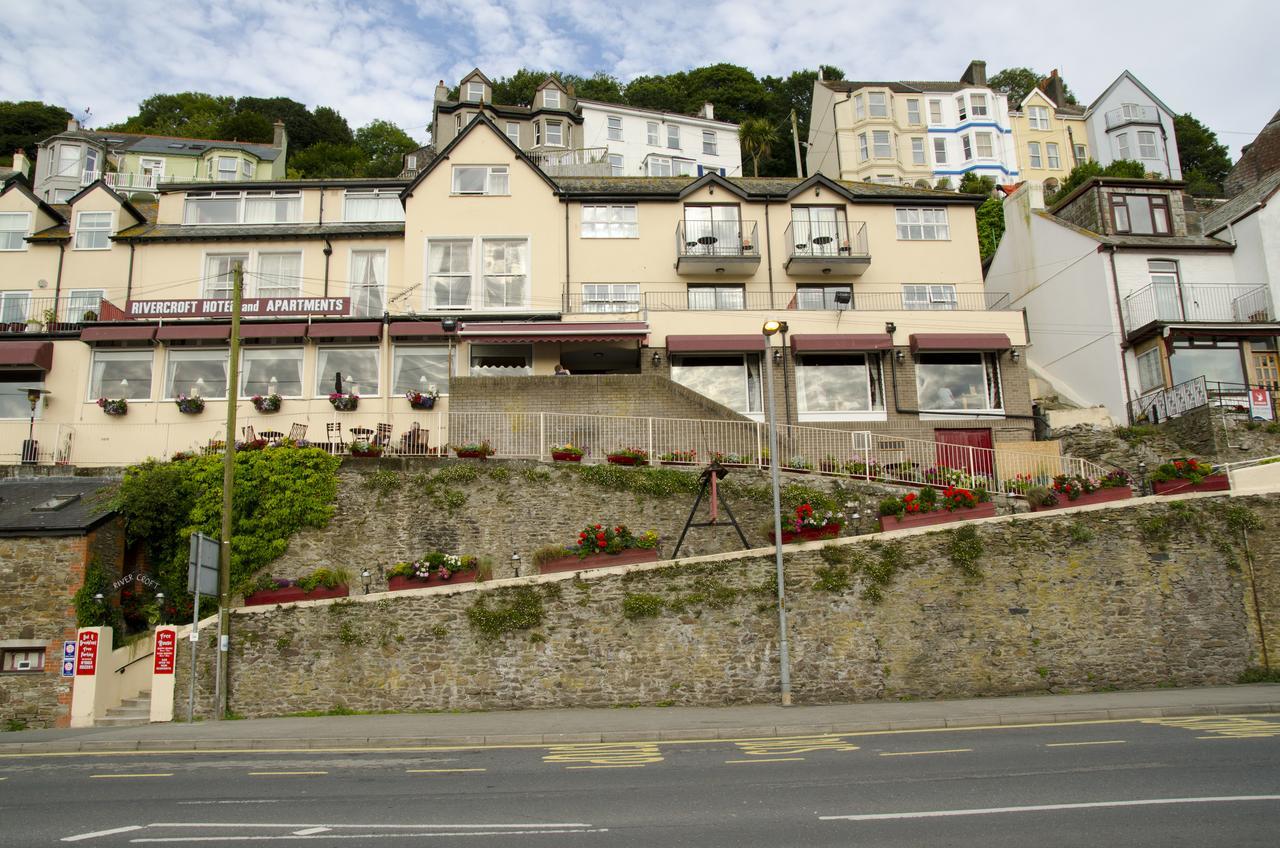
<point>1133,273</point>
<point>1102,144</point>
<point>634,146</point>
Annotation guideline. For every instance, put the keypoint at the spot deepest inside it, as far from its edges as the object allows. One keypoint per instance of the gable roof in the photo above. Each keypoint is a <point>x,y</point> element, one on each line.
<point>480,119</point>
<point>124,204</point>
<point>1242,205</point>
<point>20,183</point>
<point>1126,74</point>
<point>475,72</point>
<point>713,179</point>
<point>551,80</point>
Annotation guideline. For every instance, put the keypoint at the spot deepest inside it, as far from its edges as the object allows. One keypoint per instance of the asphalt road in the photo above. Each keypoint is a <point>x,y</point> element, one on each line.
<point>1200,782</point>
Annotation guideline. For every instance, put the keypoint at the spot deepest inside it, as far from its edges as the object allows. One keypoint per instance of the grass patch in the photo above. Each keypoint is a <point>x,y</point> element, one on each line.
<point>1257,674</point>
<point>641,605</point>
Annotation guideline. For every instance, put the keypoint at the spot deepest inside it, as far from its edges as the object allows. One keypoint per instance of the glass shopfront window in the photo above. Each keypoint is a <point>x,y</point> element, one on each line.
<point>418,369</point>
<point>1216,364</point>
<point>958,381</point>
<point>838,383</point>
<point>501,360</point>
<point>732,380</point>
<point>13,397</point>
<point>121,374</point>
<point>271,371</point>
<point>196,373</point>
<point>357,365</point>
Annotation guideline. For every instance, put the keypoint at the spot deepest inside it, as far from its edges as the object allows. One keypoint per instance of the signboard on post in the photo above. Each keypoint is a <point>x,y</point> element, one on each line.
<point>87,654</point>
<point>202,565</point>
<point>1260,405</point>
<point>166,651</point>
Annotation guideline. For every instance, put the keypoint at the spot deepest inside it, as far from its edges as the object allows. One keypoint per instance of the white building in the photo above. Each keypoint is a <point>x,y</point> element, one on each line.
<point>1128,121</point>
<point>646,142</point>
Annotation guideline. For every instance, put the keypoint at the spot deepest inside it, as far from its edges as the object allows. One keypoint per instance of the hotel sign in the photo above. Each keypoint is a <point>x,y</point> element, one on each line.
<point>260,307</point>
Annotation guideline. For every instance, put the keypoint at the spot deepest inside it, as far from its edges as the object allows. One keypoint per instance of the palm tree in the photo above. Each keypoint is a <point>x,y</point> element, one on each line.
<point>757,136</point>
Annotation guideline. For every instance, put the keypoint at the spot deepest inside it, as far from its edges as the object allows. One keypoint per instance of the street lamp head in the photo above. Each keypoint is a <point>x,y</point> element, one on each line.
<point>771,328</point>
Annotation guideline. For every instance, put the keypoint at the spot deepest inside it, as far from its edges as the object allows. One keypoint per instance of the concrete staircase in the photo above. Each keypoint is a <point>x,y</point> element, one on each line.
<point>132,711</point>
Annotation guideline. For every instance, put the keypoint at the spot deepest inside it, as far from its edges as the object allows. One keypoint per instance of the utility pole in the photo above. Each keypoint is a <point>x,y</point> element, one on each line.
<point>795,138</point>
<point>228,481</point>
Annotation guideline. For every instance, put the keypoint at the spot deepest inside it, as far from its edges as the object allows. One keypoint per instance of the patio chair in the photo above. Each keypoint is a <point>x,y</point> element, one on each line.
<point>248,433</point>
<point>333,437</point>
<point>383,437</point>
<point>298,433</point>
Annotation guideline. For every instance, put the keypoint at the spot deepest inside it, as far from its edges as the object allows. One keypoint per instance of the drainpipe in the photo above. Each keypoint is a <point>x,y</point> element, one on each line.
<point>566,253</point>
<point>1124,333</point>
<point>328,252</point>
<point>835,134</point>
<point>128,286</point>
<point>57,282</point>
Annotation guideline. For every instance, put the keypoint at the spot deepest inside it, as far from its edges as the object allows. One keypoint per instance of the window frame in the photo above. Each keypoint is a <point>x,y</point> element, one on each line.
<point>941,229</point>
<point>882,150</point>
<point>324,383</point>
<point>751,393</point>
<point>1038,117</point>
<point>828,292</point>
<point>935,111</point>
<point>15,296</point>
<point>913,111</point>
<point>918,154</point>
<point>936,297</point>
<point>722,297</point>
<point>673,135</point>
<point>1142,363</point>
<point>10,231</point>
<point>607,228</point>
<point>593,302</point>
<point>380,196</point>
<point>9,654</point>
<point>966,146</point>
<point>83,295</point>
<point>992,379</point>
<point>873,369</point>
<point>653,137</point>
<point>962,108</point>
<point>877,104</point>
<point>617,165</point>
<point>710,143</point>
<point>613,127</point>
<point>981,138</point>
<point>476,300</point>
<point>475,92</point>
<point>355,289</point>
<point>206,277</point>
<point>1156,202</point>
<point>859,108</point>
<point>174,355</point>
<point>1144,145</point>
<point>551,98</point>
<point>940,151</point>
<point>1052,156</point>
<point>978,106</point>
<point>1080,152</point>
<point>864,148</point>
<point>146,355</point>
<point>1122,145</point>
<point>94,231</point>
<point>399,351</point>
<point>242,199</point>
<point>513,138</point>
<point>262,352</point>
<point>1033,155</point>
<point>558,126</point>
<point>491,172</point>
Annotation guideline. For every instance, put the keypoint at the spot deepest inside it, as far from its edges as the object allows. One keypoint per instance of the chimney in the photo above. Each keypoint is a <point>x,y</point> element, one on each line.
<point>278,138</point>
<point>72,125</point>
<point>820,77</point>
<point>571,91</point>
<point>976,73</point>
<point>1055,89</point>
<point>442,92</point>
<point>709,111</point>
<point>20,162</point>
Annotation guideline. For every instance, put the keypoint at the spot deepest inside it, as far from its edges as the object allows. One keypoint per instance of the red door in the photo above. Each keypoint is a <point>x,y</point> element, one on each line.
<point>954,450</point>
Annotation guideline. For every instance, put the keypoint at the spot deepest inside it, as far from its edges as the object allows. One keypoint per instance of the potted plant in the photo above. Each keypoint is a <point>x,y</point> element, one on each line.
<point>251,444</point>
<point>733,460</point>
<point>366,448</point>
<point>114,406</point>
<point>190,405</point>
<point>267,403</point>
<point>1075,490</point>
<point>678,457</point>
<point>422,400</point>
<point>928,507</point>
<point>615,544</point>
<point>324,582</point>
<point>344,401</point>
<point>567,452</point>
<point>1188,475</point>
<point>474,450</point>
<point>808,526</point>
<point>830,465</point>
<point>860,468</point>
<point>182,456</point>
<point>89,315</point>
<point>628,456</point>
<point>432,569</point>
<point>798,464</point>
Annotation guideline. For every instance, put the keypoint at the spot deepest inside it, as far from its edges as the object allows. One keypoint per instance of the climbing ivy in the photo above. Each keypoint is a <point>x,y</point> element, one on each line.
<point>512,609</point>
<point>91,612</point>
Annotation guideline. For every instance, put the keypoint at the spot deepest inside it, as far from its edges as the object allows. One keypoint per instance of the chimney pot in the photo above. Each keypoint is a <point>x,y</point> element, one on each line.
<point>709,111</point>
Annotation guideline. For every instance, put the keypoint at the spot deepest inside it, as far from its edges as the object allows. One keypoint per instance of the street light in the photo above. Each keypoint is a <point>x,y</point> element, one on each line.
<point>29,447</point>
<point>770,329</point>
<point>365,578</point>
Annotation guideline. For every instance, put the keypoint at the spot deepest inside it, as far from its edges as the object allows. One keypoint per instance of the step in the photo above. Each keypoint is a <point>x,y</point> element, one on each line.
<point>135,703</point>
<point>129,712</point>
<point>119,721</point>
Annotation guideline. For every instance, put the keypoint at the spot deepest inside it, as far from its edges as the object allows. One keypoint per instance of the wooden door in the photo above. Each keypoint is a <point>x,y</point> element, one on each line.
<point>965,450</point>
<point>1266,368</point>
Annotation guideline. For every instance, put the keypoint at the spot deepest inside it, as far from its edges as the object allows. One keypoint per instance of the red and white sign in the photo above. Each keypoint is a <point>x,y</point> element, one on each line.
<point>87,654</point>
<point>166,651</point>
<point>1260,405</point>
<point>249,307</point>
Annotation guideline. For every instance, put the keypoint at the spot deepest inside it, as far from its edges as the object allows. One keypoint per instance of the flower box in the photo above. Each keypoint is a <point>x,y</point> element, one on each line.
<point>294,593</point>
<point>1114,493</point>
<point>674,462</point>
<point>400,583</point>
<point>370,452</point>
<point>630,556</point>
<point>808,534</point>
<point>266,404</point>
<point>938,516</point>
<point>617,459</point>
<point>471,454</point>
<point>566,456</point>
<point>1212,483</point>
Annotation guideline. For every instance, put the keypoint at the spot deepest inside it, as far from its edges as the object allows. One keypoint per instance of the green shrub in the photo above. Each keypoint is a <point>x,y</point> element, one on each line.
<point>91,612</point>
<point>965,550</point>
<point>835,579</point>
<point>517,608</point>
<point>641,605</point>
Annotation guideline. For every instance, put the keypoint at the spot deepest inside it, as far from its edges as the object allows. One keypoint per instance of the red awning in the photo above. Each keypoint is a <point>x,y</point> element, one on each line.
<point>516,332</point>
<point>715,344</point>
<point>840,342</point>
<point>416,329</point>
<point>960,341</point>
<point>291,332</point>
<point>345,330</point>
<point>26,355</point>
<point>91,335</point>
<point>194,332</point>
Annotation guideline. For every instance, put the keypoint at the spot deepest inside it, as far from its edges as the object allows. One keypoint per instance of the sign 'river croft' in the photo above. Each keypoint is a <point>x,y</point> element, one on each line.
<point>265,307</point>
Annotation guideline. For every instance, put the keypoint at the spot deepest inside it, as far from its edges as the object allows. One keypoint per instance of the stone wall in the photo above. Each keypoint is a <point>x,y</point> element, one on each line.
<point>1152,594</point>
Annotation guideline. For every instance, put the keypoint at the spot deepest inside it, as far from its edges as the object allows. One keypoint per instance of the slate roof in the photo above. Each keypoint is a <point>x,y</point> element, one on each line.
<point>1243,203</point>
<point>89,507</point>
<point>902,87</point>
<point>182,232</point>
<point>165,144</point>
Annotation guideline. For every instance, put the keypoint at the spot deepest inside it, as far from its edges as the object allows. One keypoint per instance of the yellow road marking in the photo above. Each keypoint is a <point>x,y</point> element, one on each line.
<point>633,765</point>
<point>919,753</point>
<point>283,773</point>
<point>767,760</point>
<point>795,745</point>
<point>623,753</point>
<point>1079,744</point>
<point>440,771</point>
<point>155,774</point>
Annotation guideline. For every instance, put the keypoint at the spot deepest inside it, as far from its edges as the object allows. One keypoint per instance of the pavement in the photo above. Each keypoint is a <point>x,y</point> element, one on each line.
<point>641,724</point>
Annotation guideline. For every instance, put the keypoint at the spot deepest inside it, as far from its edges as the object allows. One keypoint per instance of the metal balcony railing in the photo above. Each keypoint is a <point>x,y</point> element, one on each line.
<point>1132,113</point>
<point>723,298</point>
<point>821,239</point>
<point>1232,302</point>
<point>717,239</point>
<point>573,162</point>
<point>37,314</point>
<point>122,180</point>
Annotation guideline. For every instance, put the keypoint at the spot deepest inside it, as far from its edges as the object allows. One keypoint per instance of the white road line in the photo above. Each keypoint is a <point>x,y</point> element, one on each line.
<point>1039,808</point>
<point>919,753</point>
<point>155,774</point>
<point>487,825</point>
<point>82,836</point>
<point>1079,744</point>
<point>767,760</point>
<point>310,831</point>
<point>329,836</point>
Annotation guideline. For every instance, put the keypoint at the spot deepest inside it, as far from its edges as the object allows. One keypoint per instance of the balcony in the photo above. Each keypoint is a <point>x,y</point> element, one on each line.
<point>1240,303</point>
<point>717,247</point>
<point>1132,113</point>
<point>122,181</point>
<point>736,298</point>
<point>573,162</point>
<point>829,248</point>
<point>20,314</point>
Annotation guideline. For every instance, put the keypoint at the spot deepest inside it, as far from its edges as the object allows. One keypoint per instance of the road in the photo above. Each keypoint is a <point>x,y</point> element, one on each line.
<point>1212,781</point>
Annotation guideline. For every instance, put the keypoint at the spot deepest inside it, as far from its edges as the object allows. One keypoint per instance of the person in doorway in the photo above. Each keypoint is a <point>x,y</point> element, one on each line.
<point>561,371</point>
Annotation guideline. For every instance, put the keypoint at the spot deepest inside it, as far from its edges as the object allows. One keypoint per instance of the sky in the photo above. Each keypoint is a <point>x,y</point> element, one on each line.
<point>381,58</point>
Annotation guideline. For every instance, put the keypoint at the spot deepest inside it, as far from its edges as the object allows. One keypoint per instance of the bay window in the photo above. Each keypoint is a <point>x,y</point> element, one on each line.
<point>196,373</point>
<point>878,104</point>
<point>420,369</point>
<point>864,152</point>
<point>881,144</point>
<point>271,371</point>
<point>838,383</point>
<point>978,104</point>
<point>555,134</point>
<point>377,204</point>
<point>368,283</point>
<point>960,380</point>
<point>1147,145</point>
<point>732,380</point>
<point>226,168</point>
<point>357,365</point>
<point>966,146</point>
<point>986,148</point>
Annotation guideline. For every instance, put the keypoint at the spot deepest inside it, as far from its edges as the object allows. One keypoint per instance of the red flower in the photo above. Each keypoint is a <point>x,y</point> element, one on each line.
<point>601,543</point>
<point>597,527</point>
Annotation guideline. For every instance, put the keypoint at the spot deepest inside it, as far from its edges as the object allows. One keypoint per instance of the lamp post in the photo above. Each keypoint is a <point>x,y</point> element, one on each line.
<point>366,579</point>
<point>30,452</point>
<point>770,329</point>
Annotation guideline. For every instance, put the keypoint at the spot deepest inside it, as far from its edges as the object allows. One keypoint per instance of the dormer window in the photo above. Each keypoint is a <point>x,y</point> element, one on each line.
<point>551,99</point>
<point>978,104</point>
<point>1140,214</point>
<point>475,92</point>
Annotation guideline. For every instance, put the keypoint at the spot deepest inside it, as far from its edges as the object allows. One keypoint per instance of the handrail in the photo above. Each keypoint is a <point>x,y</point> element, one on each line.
<point>121,669</point>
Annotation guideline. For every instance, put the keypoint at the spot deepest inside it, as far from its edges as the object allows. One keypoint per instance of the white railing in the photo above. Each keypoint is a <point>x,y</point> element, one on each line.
<point>1131,113</point>
<point>125,180</point>
<point>857,454</point>
<point>1242,302</point>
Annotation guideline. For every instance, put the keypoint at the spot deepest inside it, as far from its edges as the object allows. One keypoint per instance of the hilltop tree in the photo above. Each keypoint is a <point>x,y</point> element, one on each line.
<point>189,114</point>
<point>1205,161</point>
<point>1017,83</point>
<point>26,123</point>
<point>384,146</point>
<point>247,126</point>
<point>1086,171</point>
<point>972,183</point>
<point>757,136</point>
<point>665,93</point>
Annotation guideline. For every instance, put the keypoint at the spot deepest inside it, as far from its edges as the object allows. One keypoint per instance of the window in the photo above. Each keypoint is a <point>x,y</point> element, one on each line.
<point>1150,371</point>
<point>611,297</point>
<point>504,274</point>
<point>1163,272</point>
<point>880,141</point>
<point>449,273</point>
<point>24,659</point>
<point>610,221</point>
<point>859,108</point>
<point>966,147</point>
<point>227,167</point>
<point>986,149</point>
<point>913,111</point>
<point>475,91</point>
<point>864,152</point>
<point>13,395</point>
<point>958,381</point>
<point>940,151</point>
<point>935,111</point>
<point>930,297</point>
<point>1147,145</point>
<point>196,373</point>
<point>505,267</point>
<point>63,195</point>
<point>271,371</point>
<point>494,360</point>
<point>272,207</point>
<point>964,112</point>
<point>978,104</point>
<point>1082,154</point>
<point>380,204</point>
<point>878,104</point>
<point>617,168</point>
<point>917,152</point>
<point>651,133</point>
<point>1038,117</point>
<point>1033,154</point>
<point>615,127</point>
<point>1140,214</point>
<point>733,380</point>
<point>1051,151</point>
<point>819,231</point>
<point>91,163</point>
<point>513,132</point>
<point>14,228</point>
<point>80,302</point>
<point>1221,364</point>
<point>663,166</point>
<point>923,224</point>
<point>420,369</point>
<point>537,133</point>
<point>555,134</point>
<point>249,207</point>
<point>838,383</point>
<point>709,143</point>
<point>411,161</point>
<point>93,230</point>
<point>1122,145</point>
<point>68,161</point>
<point>368,282</point>
<point>357,365</point>
<point>717,297</point>
<point>673,137</point>
<point>823,297</point>
<point>247,168</point>
<point>480,179</point>
<point>550,98</point>
<point>14,307</point>
<point>219,273</point>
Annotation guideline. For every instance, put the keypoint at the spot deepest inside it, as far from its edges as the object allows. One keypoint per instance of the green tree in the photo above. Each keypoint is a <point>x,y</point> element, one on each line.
<point>325,160</point>
<point>1017,83</point>
<point>1087,170</point>
<point>384,145</point>
<point>298,120</point>
<point>331,126</point>
<point>599,86</point>
<point>972,183</point>
<point>785,94</point>
<point>189,114</point>
<point>734,91</point>
<point>26,123</point>
<point>1205,161</point>
<point>757,136</point>
<point>665,93</point>
<point>990,226</point>
<point>247,126</point>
